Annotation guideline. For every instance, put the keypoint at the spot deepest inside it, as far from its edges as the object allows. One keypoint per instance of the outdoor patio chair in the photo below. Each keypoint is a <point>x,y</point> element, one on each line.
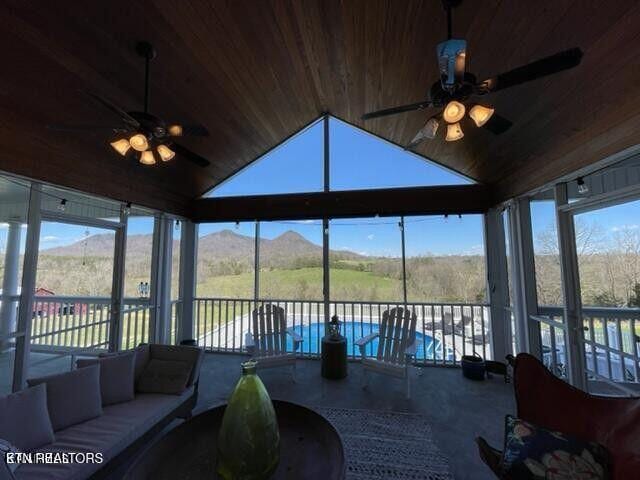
<point>267,343</point>
<point>396,346</point>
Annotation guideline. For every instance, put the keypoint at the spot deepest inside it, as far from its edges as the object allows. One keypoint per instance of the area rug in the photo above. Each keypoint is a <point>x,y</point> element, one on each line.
<point>387,445</point>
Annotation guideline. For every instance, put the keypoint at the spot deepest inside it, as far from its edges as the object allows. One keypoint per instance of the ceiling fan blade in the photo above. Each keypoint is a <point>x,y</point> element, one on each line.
<point>190,155</point>
<point>85,128</point>
<point>534,70</point>
<point>126,118</point>
<point>394,110</point>
<point>497,124</point>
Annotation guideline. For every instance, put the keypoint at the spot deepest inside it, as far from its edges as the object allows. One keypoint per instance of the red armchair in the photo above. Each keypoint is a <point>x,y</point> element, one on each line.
<point>549,402</point>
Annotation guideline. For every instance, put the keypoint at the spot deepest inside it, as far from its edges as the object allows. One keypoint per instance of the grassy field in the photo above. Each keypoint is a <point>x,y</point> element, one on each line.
<point>304,284</point>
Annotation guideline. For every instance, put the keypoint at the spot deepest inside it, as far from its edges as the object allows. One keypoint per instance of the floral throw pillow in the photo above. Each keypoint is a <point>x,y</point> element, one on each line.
<point>535,453</point>
<point>6,447</point>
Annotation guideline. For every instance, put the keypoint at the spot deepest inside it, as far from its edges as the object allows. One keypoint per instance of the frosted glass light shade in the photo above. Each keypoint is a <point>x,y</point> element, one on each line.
<point>121,146</point>
<point>139,142</point>
<point>453,112</point>
<point>146,158</point>
<point>480,114</point>
<point>454,132</point>
<point>165,153</point>
<point>427,132</point>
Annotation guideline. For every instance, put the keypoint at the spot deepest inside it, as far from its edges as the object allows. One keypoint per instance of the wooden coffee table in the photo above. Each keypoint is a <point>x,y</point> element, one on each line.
<point>310,448</point>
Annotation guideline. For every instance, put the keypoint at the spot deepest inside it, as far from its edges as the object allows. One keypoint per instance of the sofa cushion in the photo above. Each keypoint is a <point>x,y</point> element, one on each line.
<point>119,426</point>
<point>164,376</point>
<point>116,376</point>
<point>532,452</point>
<point>183,353</point>
<point>72,397</point>
<point>142,357</point>
<point>24,418</point>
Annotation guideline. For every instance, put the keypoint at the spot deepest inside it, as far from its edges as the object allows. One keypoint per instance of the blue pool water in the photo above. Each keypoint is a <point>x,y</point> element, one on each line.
<point>312,335</point>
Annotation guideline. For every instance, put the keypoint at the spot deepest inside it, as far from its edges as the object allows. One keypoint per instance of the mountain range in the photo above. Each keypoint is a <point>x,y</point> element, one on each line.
<point>224,244</point>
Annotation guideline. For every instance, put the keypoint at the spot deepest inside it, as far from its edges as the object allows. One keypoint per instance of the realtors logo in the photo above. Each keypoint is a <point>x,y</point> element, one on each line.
<point>53,457</point>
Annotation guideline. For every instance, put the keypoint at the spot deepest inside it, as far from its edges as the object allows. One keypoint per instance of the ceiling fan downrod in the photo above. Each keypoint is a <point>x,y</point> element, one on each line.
<point>146,51</point>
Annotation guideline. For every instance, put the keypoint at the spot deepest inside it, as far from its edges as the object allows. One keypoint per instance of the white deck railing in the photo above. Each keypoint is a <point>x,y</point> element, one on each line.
<point>67,323</point>
<point>445,332</point>
<point>611,338</point>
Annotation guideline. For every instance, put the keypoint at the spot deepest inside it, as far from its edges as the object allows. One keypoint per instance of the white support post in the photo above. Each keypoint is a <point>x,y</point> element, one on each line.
<point>571,290</point>
<point>30,266</point>
<point>160,279</point>
<point>525,279</point>
<point>163,290</point>
<point>188,259</point>
<point>497,286</point>
<point>117,283</point>
<point>10,283</point>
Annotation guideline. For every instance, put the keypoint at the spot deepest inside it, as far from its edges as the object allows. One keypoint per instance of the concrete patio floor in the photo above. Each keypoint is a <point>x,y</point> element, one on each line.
<point>457,409</point>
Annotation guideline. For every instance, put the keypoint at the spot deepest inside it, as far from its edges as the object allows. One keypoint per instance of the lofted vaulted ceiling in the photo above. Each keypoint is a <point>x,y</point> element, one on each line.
<point>255,71</point>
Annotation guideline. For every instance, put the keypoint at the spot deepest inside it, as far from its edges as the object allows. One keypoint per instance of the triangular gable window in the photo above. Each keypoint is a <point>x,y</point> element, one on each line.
<point>358,160</point>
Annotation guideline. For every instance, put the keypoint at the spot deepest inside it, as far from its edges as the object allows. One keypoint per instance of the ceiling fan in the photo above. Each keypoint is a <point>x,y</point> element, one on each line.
<point>141,133</point>
<point>457,91</point>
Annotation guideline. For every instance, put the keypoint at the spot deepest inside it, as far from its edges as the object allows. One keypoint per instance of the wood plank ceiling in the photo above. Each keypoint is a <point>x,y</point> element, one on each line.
<point>253,72</point>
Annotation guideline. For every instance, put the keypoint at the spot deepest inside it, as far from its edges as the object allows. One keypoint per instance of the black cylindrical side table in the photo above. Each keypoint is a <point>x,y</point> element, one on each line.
<point>334,357</point>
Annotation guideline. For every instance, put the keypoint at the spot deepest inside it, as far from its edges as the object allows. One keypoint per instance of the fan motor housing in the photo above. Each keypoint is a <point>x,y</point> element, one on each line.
<point>440,97</point>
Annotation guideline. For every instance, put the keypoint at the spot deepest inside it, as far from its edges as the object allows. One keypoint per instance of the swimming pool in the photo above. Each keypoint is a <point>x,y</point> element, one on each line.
<point>312,335</point>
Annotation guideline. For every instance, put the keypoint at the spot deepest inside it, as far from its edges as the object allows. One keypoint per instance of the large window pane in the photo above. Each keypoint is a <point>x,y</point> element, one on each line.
<point>360,160</point>
<point>226,260</point>
<point>75,260</point>
<point>608,245</point>
<point>366,259</point>
<point>545,248</point>
<point>291,260</point>
<point>72,303</point>
<point>137,271</point>
<point>272,173</point>
<point>445,259</point>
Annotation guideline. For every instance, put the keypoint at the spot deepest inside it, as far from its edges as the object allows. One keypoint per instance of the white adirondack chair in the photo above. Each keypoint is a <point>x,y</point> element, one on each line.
<point>267,343</point>
<point>396,346</point>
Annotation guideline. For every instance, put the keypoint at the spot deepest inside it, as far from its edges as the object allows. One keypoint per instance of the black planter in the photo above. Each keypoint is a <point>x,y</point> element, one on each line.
<point>473,367</point>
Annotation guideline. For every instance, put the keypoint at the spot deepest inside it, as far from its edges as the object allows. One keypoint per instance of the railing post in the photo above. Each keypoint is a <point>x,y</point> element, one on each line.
<point>497,287</point>
<point>570,289</point>
<point>188,256</point>
<point>30,266</point>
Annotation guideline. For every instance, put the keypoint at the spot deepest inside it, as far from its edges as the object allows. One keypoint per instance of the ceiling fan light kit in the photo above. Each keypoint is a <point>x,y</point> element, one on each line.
<point>148,136</point>
<point>165,153</point>
<point>480,114</point>
<point>121,146</point>
<point>147,158</point>
<point>454,93</point>
<point>454,132</point>
<point>453,112</point>
<point>175,130</point>
<point>139,142</point>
